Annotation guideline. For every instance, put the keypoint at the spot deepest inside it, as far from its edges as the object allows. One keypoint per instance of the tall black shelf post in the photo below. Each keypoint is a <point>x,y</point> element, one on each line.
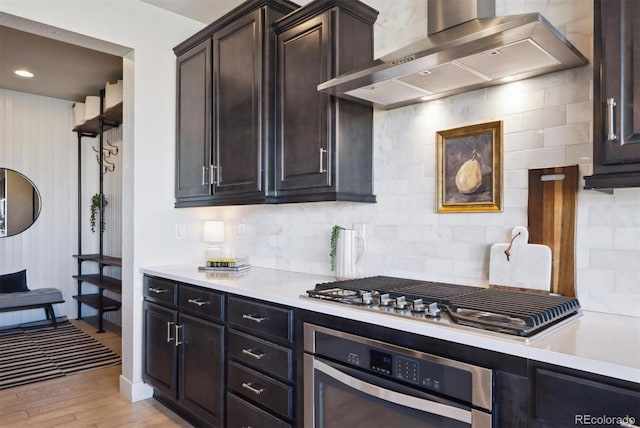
<point>79,220</point>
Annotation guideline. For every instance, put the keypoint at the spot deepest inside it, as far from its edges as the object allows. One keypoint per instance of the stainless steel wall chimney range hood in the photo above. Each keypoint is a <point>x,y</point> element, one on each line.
<point>467,48</point>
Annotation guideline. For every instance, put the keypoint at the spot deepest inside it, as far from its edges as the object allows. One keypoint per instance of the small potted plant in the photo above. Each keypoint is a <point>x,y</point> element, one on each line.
<point>95,207</point>
<point>335,233</point>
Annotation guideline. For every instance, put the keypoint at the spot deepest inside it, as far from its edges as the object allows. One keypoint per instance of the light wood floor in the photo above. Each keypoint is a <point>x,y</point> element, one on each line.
<point>89,399</point>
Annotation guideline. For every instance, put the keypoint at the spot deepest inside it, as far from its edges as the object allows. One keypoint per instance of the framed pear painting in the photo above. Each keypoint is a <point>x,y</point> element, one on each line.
<point>469,169</point>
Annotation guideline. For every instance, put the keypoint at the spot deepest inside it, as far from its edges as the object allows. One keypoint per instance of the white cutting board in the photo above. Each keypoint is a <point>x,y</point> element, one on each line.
<point>529,265</point>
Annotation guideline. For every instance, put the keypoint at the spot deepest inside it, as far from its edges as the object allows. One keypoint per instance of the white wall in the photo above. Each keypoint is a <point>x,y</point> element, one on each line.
<point>36,140</point>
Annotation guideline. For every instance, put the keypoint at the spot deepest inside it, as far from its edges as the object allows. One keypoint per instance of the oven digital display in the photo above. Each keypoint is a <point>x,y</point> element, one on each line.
<point>381,361</point>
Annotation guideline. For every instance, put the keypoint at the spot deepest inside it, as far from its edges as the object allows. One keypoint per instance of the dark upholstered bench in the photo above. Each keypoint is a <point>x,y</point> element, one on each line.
<point>32,299</point>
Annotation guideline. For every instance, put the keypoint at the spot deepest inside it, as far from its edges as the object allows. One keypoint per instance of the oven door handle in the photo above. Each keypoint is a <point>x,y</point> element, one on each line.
<point>393,396</point>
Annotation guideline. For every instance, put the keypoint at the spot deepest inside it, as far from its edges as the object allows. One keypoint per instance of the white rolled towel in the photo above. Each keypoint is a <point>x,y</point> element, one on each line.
<point>91,107</point>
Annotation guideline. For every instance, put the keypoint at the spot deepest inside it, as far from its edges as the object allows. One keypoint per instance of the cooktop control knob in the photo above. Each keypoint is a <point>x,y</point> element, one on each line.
<point>401,303</point>
<point>418,306</point>
<point>434,310</point>
<point>367,299</point>
<point>385,300</point>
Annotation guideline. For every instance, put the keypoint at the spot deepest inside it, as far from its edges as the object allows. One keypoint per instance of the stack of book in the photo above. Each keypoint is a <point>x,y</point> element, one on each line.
<point>226,264</point>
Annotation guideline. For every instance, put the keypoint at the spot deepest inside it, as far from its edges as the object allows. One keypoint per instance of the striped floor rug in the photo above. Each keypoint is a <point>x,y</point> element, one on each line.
<point>31,354</point>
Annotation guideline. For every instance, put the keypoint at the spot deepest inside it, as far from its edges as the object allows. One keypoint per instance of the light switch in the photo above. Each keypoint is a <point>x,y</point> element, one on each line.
<point>180,232</point>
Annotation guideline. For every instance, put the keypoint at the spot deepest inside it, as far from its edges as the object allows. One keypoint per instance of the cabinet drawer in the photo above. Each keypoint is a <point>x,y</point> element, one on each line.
<point>260,389</point>
<point>160,290</point>
<point>201,302</point>
<point>580,399</point>
<point>261,355</point>
<point>243,414</point>
<point>260,319</point>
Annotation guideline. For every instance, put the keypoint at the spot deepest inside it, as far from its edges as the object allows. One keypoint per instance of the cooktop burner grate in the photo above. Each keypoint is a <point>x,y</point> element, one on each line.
<point>411,288</point>
<point>506,311</point>
<point>522,312</point>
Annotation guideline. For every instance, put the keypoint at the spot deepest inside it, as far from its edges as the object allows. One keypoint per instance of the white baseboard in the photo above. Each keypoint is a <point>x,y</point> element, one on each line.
<point>134,391</point>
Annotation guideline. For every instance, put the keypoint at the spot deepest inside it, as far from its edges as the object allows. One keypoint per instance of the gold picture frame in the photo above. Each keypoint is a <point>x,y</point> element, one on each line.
<point>469,168</point>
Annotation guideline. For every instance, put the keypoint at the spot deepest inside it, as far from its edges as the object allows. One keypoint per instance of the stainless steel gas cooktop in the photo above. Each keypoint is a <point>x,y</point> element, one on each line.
<point>514,313</point>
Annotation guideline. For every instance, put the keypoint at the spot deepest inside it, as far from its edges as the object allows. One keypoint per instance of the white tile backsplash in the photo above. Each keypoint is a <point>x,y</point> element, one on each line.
<point>547,122</point>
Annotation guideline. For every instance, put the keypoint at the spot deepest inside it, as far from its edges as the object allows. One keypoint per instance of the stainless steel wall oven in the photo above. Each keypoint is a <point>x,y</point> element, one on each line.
<point>354,381</point>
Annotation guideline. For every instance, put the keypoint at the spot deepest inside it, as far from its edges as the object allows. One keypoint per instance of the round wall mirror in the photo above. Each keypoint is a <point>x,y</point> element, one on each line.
<point>19,202</point>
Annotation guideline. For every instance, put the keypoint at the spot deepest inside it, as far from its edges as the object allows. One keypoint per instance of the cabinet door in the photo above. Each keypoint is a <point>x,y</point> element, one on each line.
<point>617,80</point>
<point>193,122</point>
<point>160,352</point>
<point>201,368</point>
<point>237,140</point>
<point>303,149</point>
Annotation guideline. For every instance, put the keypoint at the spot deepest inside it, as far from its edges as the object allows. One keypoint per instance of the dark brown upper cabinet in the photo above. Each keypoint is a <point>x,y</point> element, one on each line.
<point>616,95</point>
<point>323,149</point>
<point>225,103</point>
<point>193,129</point>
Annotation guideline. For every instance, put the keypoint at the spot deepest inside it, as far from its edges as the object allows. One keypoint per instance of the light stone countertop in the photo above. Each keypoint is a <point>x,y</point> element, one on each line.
<point>595,342</point>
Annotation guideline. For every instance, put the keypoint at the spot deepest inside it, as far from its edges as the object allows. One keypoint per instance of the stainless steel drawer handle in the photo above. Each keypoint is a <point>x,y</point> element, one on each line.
<point>256,389</point>
<point>204,173</point>
<point>322,153</point>
<point>611,135</point>
<point>255,354</point>
<point>256,318</point>
<point>158,290</point>
<point>198,302</point>
<point>178,342</point>
<point>212,174</point>
<point>169,338</point>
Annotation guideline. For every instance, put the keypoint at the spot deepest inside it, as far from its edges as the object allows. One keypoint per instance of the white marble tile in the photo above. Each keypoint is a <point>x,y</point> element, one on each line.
<point>572,92</point>
<point>579,154</point>
<point>526,140</point>
<point>544,158</point>
<point>577,133</point>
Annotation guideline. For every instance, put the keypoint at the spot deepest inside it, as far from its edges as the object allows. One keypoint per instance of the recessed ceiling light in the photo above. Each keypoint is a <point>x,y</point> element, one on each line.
<point>23,73</point>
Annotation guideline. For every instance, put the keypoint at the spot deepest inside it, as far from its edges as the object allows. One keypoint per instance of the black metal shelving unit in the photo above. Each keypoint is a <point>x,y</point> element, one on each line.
<point>92,128</point>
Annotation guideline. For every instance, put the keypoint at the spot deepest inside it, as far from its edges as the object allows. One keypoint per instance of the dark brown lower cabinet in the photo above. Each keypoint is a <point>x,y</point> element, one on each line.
<point>563,397</point>
<point>261,389</point>
<point>184,354</point>
<point>242,414</point>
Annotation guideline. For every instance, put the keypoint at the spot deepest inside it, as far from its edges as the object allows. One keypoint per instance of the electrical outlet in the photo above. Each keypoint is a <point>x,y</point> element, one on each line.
<point>242,229</point>
<point>360,230</point>
<point>181,232</point>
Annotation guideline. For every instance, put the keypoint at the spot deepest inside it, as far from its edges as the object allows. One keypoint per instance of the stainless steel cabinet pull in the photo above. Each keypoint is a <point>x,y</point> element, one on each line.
<point>178,342</point>
<point>252,387</point>
<point>252,317</point>
<point>322,153</point>
<point>257,355</point>
<point>611,135</point>
<point>198,302</point>
<point>169,338</point>
<point>158,290</point>
<point>204,172</point>
<point>212,174</point>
